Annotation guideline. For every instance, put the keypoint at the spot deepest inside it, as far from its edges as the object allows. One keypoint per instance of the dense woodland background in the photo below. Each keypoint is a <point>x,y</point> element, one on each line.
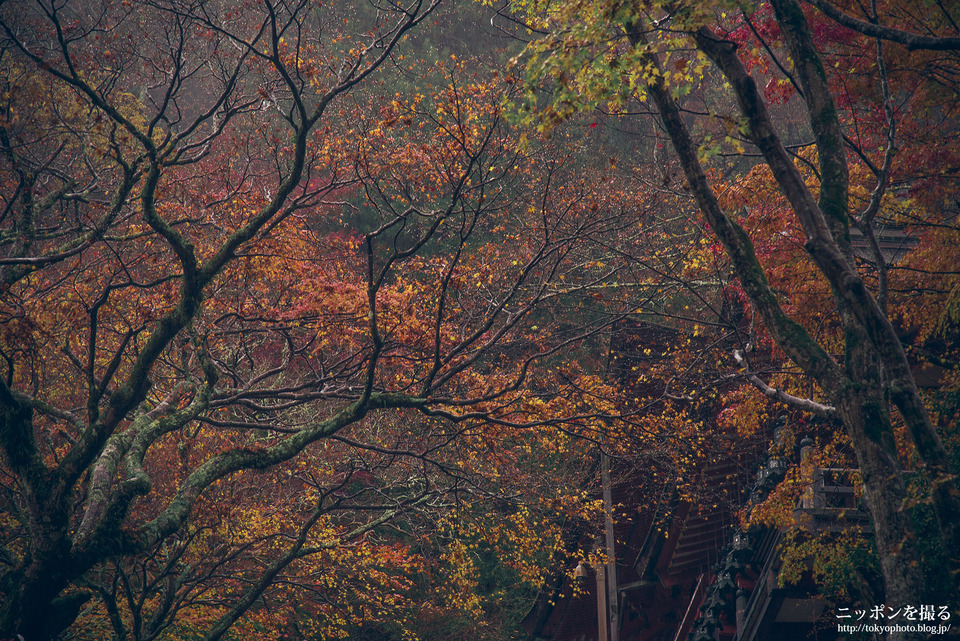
<point>308,309</point>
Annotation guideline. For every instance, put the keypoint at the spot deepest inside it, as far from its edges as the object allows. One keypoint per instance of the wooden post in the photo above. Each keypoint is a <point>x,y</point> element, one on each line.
<point>612,611</point>
<point>601,603</point>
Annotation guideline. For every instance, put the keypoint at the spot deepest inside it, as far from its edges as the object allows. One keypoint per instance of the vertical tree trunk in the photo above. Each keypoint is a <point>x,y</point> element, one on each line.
<point>857,392</point>
<point>866,417</point>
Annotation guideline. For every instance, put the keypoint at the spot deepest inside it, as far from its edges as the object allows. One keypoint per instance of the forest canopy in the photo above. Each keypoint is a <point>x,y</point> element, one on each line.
<point>327,321</point>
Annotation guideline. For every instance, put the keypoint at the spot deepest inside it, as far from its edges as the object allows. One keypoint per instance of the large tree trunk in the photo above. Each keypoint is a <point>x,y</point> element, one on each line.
<point>856,392</point>
<point>34,607</point>
<point>829,249</point>
<point>865,415</point>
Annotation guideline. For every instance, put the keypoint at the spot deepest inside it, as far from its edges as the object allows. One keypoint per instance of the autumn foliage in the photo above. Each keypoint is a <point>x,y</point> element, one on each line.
<point>312,329</point>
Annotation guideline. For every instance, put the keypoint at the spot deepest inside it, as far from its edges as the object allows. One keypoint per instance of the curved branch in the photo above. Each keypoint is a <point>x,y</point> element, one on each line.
<point>804,404</point>
<point>226,463</point>
<point>909,40</point>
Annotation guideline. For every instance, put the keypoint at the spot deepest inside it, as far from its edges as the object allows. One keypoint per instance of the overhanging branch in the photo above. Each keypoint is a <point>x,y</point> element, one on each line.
<point>909,40</point>
<point>805,404</point>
